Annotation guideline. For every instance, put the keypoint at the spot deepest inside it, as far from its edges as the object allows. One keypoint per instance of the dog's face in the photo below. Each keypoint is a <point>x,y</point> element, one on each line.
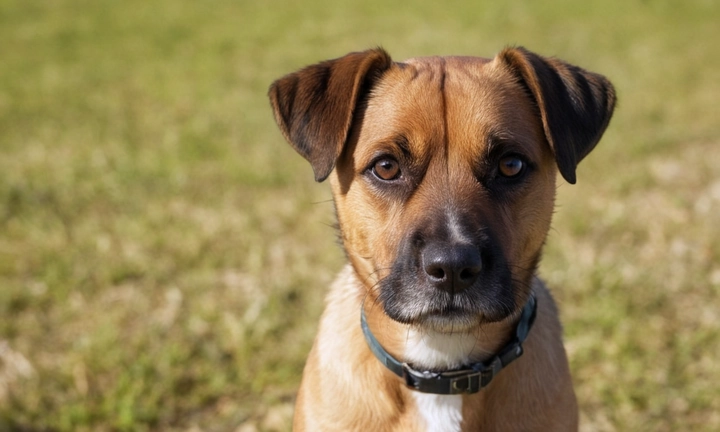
<point>444,192</point>
<point>444,177</point>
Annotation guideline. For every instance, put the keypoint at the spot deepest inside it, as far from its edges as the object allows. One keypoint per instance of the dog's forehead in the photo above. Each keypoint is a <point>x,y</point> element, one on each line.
<point>455,101</point>
<point>451,61</point>
<point>436,72</point>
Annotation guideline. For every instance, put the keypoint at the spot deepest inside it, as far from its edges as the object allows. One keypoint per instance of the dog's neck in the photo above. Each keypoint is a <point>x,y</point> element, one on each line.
<point>447,365</point>
<point>431,350</point>
<point>441,351</point>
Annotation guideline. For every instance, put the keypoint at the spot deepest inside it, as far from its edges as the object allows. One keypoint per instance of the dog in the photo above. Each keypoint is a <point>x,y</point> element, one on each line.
<point>443,173</point>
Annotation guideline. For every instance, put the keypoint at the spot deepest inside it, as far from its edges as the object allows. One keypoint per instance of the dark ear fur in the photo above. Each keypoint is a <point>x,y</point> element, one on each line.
<point>314,107</point>
<point>575,105</point>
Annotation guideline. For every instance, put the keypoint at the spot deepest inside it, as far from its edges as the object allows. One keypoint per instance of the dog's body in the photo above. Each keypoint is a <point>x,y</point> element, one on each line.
<point>443,175</point>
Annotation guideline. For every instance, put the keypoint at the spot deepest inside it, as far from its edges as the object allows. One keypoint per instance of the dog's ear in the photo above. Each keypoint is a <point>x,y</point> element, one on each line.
<point>575,105</point>
<point>314,106</point>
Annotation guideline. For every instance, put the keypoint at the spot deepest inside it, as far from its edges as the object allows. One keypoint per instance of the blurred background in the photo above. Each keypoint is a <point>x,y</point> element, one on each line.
<point>164,254</point>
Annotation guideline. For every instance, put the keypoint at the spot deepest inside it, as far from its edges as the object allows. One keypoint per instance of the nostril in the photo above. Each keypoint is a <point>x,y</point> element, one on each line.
<point>452,268</point>
<point>435,272</point>
<point>470,273</point>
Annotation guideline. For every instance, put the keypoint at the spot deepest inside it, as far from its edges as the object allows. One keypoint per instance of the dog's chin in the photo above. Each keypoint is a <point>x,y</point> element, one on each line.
<point>449,321</point>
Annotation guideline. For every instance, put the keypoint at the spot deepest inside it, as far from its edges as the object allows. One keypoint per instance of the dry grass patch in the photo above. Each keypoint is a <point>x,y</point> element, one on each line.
<point>640,290</point>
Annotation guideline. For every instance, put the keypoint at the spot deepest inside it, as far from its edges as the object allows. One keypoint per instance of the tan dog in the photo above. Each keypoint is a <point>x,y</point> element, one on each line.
<point>443,173</point>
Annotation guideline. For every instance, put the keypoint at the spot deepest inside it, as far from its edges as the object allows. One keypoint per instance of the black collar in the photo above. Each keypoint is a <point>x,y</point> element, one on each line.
<point>467,379</point>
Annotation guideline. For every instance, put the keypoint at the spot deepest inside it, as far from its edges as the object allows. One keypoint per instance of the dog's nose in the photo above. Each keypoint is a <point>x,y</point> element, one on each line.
<point>452,268</point>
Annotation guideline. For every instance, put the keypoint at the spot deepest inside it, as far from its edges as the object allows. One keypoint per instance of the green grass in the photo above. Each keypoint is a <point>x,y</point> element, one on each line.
<point>164,253</point>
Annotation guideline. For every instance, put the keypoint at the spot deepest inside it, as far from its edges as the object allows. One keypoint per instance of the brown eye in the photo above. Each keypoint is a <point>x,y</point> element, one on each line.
<point>511,166</point>
<point>386,169</point>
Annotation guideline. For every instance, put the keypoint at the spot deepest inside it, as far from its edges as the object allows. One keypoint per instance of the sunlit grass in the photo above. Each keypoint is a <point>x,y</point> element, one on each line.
<point>164,254</point>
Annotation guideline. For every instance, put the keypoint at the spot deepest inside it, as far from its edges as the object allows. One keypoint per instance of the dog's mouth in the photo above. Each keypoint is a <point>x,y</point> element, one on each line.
<point>459,313</point>
<point>452,320</point>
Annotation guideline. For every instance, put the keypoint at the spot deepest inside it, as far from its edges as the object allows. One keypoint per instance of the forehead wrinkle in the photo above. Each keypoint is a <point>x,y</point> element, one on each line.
<point>437,141</point>
<point>485,109</point>
<point>466,112</point>
<point>413,99</point>
<point>443,106</point>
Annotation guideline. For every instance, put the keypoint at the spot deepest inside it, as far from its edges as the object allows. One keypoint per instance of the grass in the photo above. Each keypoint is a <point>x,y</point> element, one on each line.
<point>164,254</point>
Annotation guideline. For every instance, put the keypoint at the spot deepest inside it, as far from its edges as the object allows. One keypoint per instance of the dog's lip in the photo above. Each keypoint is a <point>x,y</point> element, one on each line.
<point>450,318</point>
<point>448,314</point>
<point>450,321</point>
<point>446,320</point>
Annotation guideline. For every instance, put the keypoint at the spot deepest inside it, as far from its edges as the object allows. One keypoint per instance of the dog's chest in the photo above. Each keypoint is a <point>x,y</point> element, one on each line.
<point>442,413</point>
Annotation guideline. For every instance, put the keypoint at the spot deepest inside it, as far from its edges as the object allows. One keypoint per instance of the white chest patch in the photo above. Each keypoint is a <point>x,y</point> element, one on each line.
<point>442,413</point>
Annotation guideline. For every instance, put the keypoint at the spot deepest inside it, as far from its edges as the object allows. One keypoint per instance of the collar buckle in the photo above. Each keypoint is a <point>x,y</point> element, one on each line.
<point>467,383</point>
<point>451,382</point>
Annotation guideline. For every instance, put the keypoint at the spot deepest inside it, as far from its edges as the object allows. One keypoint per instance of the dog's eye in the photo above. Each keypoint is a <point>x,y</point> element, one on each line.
<point>386,169</point>
<point>511,166</point>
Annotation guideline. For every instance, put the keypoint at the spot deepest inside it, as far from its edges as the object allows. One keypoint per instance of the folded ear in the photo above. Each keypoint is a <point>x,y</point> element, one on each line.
<point>575,105</point>
<point>314,106</point>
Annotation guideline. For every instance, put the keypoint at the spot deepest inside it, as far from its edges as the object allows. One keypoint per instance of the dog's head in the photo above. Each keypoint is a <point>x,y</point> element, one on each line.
<point>443,170</point>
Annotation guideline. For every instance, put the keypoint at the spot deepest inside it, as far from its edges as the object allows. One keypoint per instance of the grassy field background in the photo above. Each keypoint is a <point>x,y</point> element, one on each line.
<point>164,253</point>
